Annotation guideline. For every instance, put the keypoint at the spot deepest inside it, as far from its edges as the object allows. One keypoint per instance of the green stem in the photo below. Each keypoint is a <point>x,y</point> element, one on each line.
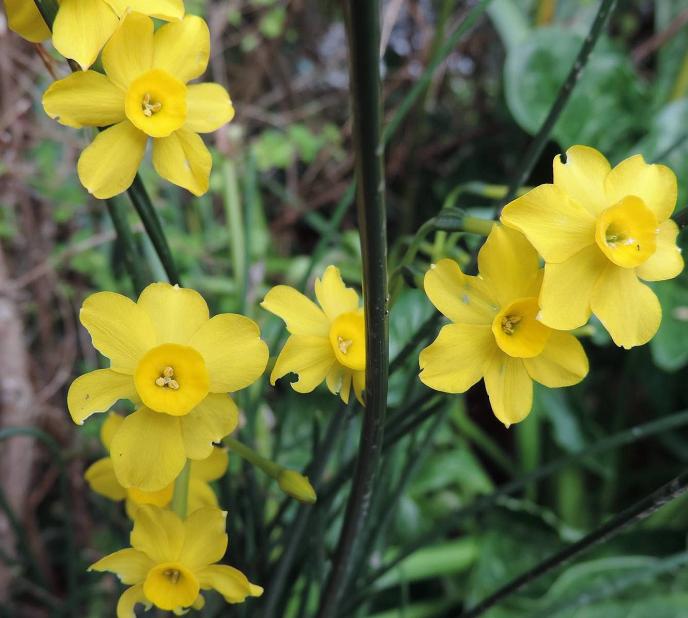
<point>270,468</point>
<point>132,260</point>
<point>151,222</point>
<point>364,45</point>
<point>235,221</point>
<point>540,140</point>
<point>180,497</point>
<point>638,512</point>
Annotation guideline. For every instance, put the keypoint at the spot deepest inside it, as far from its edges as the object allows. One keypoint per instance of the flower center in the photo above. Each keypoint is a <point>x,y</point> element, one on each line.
<point>149,107</point>
<point>627,232</point>
<point>347,336</point>
<point>517,330</point>
<point>156,103</point>
<point>170,586</point>
<point>172,378</point>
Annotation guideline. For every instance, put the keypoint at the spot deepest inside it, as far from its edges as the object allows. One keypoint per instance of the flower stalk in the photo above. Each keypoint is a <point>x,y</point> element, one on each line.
<point>364,45</point>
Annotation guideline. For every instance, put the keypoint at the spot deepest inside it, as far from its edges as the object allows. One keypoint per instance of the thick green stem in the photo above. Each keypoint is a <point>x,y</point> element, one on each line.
<point>180,497</point>
<point>142,203</point>
<point>132,261</point>
<point>364,45</point>
<point>536,147</point>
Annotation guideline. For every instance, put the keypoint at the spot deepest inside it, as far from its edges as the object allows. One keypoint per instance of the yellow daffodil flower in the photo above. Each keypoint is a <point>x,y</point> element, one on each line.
<point>168,355</point>
<point>171,561</point>
<point>327,342</point>
<point>83,27</point>
<point>144,93</point>
<point>24,18</point>
<point>496,333</point>
<point>101,477</point>
<point>600,230</point>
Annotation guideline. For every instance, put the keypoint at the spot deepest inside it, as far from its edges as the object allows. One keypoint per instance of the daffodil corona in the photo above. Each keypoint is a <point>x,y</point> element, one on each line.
<point>327,343</point>
<point>178,364</point>
<point>600,230</point>
<point>496,332</point>
<point>171,561</point>
<point>144,93</point>
<point>101,477</point>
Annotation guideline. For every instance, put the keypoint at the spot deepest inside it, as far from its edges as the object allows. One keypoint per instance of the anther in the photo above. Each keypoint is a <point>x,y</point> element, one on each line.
<point>508,323</point>
<point>167,379</point>
<point>149,108</point>
<point>344,344</point>
<point>172,574</point>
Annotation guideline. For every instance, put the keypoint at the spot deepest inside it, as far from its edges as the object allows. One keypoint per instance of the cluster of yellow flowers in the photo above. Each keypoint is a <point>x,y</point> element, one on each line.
<point>599,231</point>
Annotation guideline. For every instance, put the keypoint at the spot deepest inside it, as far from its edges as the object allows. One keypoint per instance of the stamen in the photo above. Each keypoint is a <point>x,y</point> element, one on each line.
<point>172,574</point>
<point>149,108</point>
<point>344,344</point>
<point>508,323</point>
<point>166,380</point>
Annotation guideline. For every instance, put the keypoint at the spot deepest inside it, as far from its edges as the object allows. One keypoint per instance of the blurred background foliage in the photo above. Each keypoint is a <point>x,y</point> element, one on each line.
<point>277,212</point>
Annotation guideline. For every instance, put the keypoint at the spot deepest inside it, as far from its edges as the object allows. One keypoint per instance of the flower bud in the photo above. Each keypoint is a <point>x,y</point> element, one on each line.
<point>297,486</point>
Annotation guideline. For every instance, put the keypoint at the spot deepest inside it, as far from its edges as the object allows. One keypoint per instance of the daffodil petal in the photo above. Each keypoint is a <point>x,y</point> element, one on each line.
<point>177,313</point>
<point>301,315</point>
<point>509,263</point>
<point>129,599</point>
<point>84,99</point>
<point>205,541</point>
<point>557,226</point>
<point>582,177</point>
<point>212,467</point>
<point>101,478</point>
<point>130,565</point>
<point>310,357</point>
<point>667,261</point>
<point>184,160</point>
<point>456,360</point>
<point>129,53</point>
<point>25,19</point>
<point>81,29</point>
<point>333,295</point>
<point>562,363</point>
<point>158,533</point>
<point>182,48</point>
<point>214,418</point>
<point>108,166</point>
<point>509,387</point>
<point>655,184</point>
<point>231,583</point>
<point>345,389</point>
<point>233,351</point>
<point>208,107</point>
<point>627,308</point>
<point>334,377</point>
<point>98,391</point>
<point>168,10</point>
<point>148,450</point>
<point>567,289</point>
<point>109,428</point>
<point>462,298</point>
<point>119,329</point>
<point>359,381</point>
<point>201,495</point>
